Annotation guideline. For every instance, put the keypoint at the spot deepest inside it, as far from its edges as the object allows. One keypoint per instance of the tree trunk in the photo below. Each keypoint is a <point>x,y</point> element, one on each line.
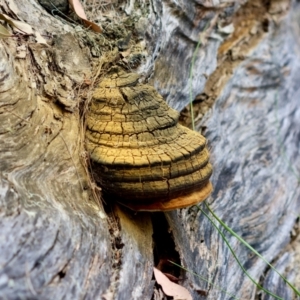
<point>58,237</point>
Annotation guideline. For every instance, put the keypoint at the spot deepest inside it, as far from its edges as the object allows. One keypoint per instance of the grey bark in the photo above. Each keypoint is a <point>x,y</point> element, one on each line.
<point>56,240</point>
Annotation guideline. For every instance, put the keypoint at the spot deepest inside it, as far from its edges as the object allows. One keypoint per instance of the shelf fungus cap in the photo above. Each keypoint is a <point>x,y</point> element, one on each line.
<point>141,156</point>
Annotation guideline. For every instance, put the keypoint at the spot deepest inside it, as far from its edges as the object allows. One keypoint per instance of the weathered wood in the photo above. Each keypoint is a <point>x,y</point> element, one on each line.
<point>56,241</point>
<point>48,219</point>
<point>253,133</point>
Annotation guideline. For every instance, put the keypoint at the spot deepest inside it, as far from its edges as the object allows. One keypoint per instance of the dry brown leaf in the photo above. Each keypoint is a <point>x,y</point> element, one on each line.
<point>78,9</point>
<point>24,27</point>
<point>4,33</point>
<point>172,277</point>
<point>170,288</point>
<point>39,39</point>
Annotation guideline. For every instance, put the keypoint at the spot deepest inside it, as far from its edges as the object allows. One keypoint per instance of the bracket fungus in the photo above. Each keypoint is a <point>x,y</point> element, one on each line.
<point>142,157</point>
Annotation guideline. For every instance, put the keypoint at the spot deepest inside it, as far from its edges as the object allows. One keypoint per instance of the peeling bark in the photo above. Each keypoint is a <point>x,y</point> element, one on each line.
<point>56,239</point>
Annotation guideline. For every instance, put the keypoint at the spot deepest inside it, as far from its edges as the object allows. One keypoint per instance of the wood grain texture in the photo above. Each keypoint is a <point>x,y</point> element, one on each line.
<point>48,221</point>
<point>183,25</point>
<point>56,241</point>
<point>253,132</point>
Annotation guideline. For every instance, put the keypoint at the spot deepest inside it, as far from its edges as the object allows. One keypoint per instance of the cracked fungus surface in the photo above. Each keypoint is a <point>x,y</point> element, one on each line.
<point>143,157</point>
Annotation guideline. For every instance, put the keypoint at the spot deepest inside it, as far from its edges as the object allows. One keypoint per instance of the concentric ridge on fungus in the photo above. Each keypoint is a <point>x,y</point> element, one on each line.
<point>144,159</point>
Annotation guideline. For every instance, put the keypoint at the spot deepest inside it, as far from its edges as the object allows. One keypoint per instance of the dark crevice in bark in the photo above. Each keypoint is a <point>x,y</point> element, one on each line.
<point>164,247</point>
<point>60,274</point>
<point>48,252</point>
<point>117,245</point>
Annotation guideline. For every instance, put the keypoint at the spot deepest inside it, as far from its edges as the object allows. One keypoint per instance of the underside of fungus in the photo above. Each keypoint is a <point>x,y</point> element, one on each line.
<point>142,157</point>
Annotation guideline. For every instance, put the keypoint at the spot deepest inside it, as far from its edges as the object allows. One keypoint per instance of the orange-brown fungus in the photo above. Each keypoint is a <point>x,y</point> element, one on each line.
<point>143,157</point>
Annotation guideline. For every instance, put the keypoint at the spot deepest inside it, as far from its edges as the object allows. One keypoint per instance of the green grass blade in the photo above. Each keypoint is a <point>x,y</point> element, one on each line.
<point>234,255</point>
<point>249,247</point>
